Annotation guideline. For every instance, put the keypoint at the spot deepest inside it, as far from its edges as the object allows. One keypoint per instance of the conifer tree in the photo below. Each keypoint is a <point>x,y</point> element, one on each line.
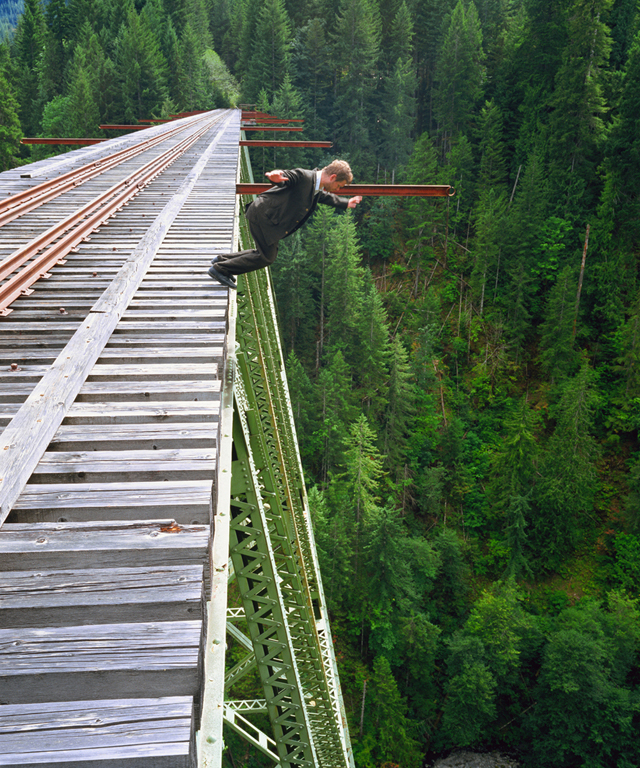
<point>191,85</point>
<point>302,403</point>
<point>337,411</point>
<point>311,72</point>
<point>141,67</point>
<point>10,132</point>
<point>197,16</point>
<point>459,70</point>
<point>578,102</point>
<point>372,353</point>
<point>83,112</point>
<point>564,495</point>
<point>389,731</point>
<point>556,341</point>
<point>317,234</point>
<point>345,277</point>
<point>363,469</point>
<point>356,51</point>
<point>400,408</point>
<point>512,481</point>
<point>491,206</point>
<point>170,47</point>
<point>56,53</point>
<point>334,541</point>
<point>293,284</point>
<point>425,218</point>
<point>287,103</point>
<point>523,226</point>
<point>620,207</point>
<point>268,62</point>
<point>398,96</point>
<point>29,45</point>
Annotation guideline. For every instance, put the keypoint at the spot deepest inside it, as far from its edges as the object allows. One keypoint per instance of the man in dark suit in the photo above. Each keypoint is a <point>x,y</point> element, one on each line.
<point>280,211</point>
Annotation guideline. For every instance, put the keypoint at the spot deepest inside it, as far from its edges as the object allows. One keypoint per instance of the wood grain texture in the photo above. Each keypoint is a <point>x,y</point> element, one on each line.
<point>100,596</point>
<point>102,544</point>
<point>129,733</point>
<point>99,661</point>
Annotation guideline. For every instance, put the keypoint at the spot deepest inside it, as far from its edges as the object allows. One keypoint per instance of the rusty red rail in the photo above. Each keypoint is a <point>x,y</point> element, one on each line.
<point>376,190</point>
<point>79,225</point>
<point>17,205</point>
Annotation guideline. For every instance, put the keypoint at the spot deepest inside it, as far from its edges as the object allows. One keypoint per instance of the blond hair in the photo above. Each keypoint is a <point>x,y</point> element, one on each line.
<point>341,169</point>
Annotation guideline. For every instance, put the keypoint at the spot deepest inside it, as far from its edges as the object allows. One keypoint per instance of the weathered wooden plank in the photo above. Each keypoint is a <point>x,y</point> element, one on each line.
<point>96,466</point>
<point>199,354</point>
<point>84,502</point>
<point>149,436</point>
<point>129,733</point>
<point>100,596</point>
<point>24,440</point>
<point>99,661</point>
<point>148,391</point>
<point>185,326</point>
<point>135,413</point>
<point>113,544</point>
<point>159,371</point>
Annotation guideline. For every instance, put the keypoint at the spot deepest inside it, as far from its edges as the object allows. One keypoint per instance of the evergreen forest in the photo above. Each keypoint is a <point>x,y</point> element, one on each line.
<point>464,371</point>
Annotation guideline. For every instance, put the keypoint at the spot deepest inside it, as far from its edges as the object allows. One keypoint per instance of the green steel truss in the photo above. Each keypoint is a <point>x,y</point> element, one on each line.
<point>274,557</point>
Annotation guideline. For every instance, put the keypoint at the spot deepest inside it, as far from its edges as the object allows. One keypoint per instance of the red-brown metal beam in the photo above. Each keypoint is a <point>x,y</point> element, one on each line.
<point>60,141</point>
<point>283,143</point>
<point>267,128</point>
<point>375,190</point>
<point>270,120</point>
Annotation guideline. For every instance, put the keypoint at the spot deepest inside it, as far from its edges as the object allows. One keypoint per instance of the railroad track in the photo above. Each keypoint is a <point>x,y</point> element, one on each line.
<point>111,359</point>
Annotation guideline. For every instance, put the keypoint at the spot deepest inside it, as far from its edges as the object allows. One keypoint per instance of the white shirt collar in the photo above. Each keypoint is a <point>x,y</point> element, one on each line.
<point>318,175</point>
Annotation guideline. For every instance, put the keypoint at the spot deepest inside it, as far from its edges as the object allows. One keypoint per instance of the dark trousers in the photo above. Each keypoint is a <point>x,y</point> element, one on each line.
<point>262,255</point>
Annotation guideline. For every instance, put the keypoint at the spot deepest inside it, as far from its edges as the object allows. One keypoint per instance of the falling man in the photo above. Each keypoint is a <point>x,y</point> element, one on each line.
<point>280,211</point>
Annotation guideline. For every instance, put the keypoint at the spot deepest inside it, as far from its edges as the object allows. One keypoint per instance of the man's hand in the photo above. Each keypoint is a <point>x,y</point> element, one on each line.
<point>276,177</point>
<point>354,201</point>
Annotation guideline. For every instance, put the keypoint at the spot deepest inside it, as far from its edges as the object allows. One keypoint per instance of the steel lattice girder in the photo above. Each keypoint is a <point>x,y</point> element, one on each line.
<point>273,445</point>
<point>272,546</point>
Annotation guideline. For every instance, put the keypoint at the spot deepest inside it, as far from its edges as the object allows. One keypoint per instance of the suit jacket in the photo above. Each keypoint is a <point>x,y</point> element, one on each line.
<point>284,208</point>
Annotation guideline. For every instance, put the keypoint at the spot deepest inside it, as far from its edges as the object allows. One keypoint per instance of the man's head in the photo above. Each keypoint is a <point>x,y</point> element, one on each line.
<point>335,176</point>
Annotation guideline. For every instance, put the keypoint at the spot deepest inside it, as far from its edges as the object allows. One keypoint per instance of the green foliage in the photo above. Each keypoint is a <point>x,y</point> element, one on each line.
<point>10,132</point>
<point>388,736</point>
<point>460,68</point>
<point>461,417</point>
<point>584,713</point>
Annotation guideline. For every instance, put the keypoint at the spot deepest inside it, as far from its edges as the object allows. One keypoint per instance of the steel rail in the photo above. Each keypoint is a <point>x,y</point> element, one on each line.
<point>94,213</point>
<point>375,190</point>
<point>23,202</point>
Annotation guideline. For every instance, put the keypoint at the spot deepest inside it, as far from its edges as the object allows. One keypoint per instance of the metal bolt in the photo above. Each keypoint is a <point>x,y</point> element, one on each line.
<point>63,311</point>
<point>15,367</point>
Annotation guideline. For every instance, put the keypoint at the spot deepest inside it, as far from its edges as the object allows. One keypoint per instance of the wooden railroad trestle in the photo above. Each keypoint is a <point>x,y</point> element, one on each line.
<point>125,403</point>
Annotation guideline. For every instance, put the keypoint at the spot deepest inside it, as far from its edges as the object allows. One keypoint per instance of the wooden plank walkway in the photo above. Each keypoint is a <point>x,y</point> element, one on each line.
<point>107,466</point>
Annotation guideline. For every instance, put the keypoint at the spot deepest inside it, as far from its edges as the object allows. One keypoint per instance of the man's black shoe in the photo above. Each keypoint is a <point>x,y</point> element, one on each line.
<point>228,281</point>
